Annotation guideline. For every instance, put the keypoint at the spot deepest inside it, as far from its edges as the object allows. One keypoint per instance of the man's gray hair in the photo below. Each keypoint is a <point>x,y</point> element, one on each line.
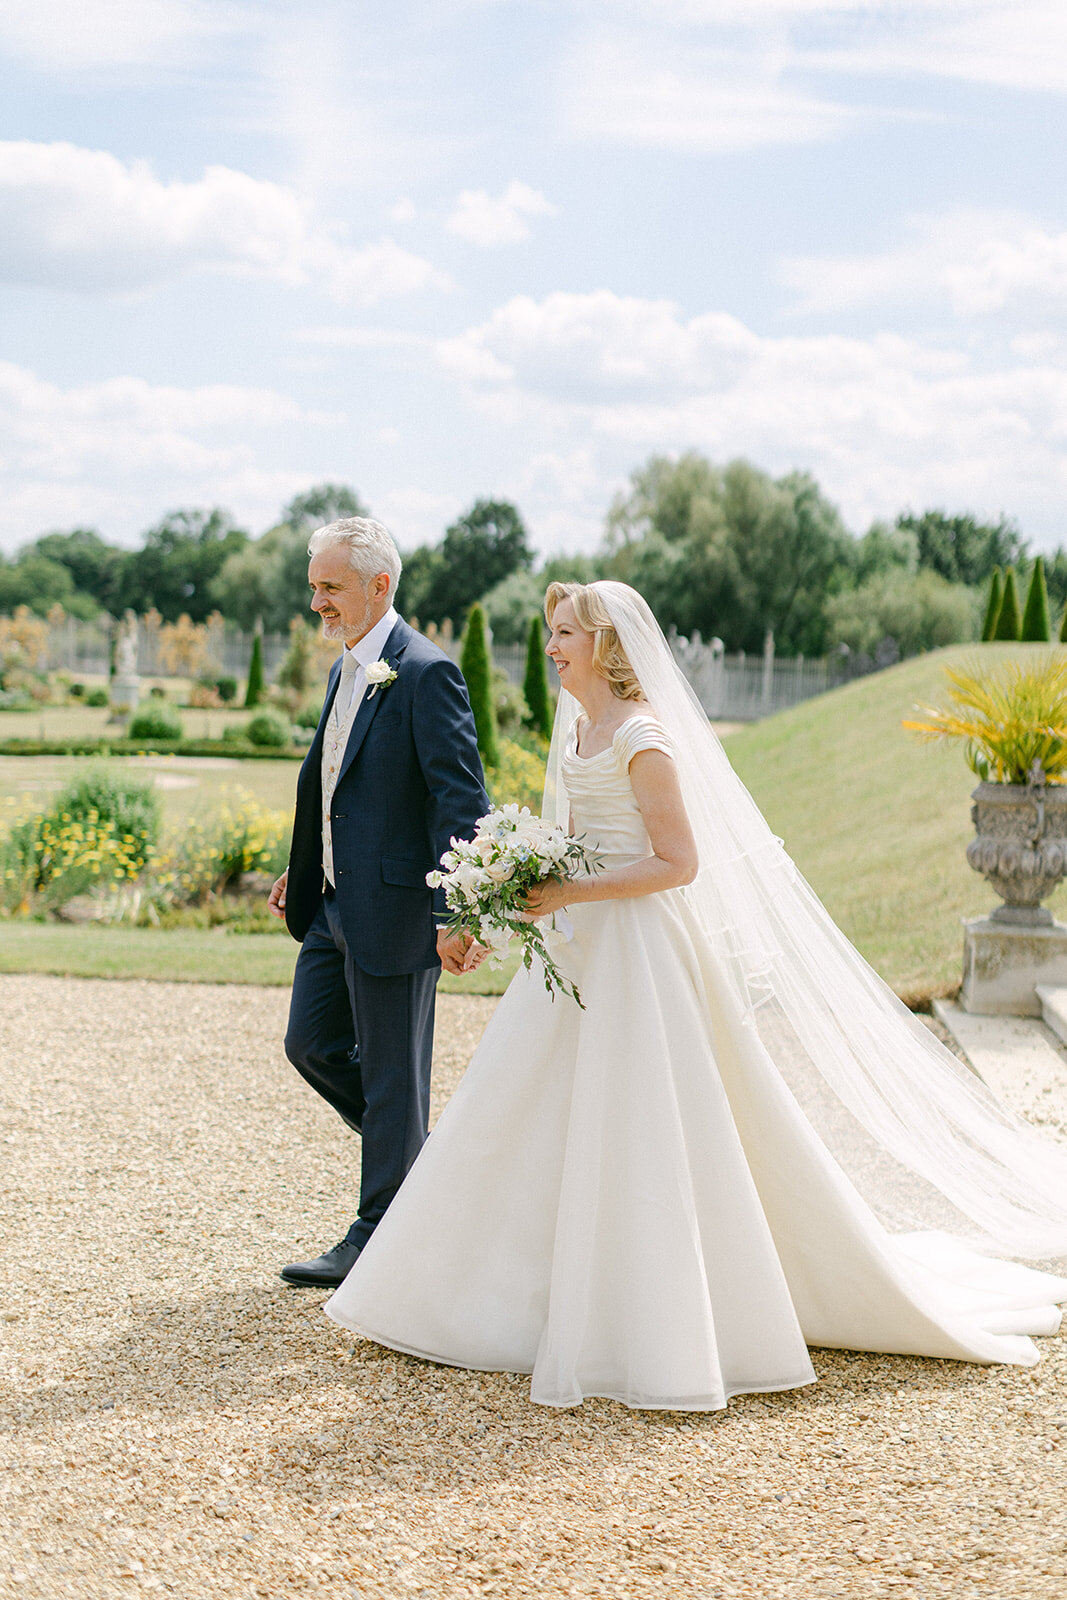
<point>371,547</point>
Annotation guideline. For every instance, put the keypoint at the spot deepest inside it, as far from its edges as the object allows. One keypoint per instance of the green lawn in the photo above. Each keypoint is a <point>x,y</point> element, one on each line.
<point>186,784</point>
<point>876,821</point>
<point>180,955</point>
<point>91,722</point>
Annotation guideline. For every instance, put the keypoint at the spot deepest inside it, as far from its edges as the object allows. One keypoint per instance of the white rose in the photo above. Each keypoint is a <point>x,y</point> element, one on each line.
<point>379,672</point>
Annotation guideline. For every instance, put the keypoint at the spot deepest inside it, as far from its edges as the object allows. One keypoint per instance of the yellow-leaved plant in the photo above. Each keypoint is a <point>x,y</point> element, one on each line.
<point>1007,719</point>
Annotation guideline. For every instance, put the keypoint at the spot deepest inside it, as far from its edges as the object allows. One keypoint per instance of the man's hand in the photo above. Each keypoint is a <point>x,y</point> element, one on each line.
<point>276,899</point>
<point>459,952</point>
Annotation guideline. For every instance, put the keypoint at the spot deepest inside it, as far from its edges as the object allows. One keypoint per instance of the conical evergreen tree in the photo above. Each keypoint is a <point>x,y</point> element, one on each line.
<point>1037,625</point>
<point>1009,621</point>
<point>476,667</point>
<point>256,679</point>
<point>992,610</point>
<point>535,683</point>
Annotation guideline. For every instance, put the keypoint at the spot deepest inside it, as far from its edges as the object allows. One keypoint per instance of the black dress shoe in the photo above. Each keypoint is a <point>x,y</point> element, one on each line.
<point>327,1270</point>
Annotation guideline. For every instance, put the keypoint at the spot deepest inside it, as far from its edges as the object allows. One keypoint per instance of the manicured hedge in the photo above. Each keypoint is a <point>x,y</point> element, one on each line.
<point>150,747</point>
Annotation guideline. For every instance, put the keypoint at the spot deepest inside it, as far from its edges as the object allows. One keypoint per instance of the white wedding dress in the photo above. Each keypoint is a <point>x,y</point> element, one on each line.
<point>627,1200</point>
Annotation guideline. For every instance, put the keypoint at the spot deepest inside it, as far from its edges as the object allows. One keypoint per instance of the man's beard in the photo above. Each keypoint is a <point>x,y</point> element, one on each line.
<point>348,630</point>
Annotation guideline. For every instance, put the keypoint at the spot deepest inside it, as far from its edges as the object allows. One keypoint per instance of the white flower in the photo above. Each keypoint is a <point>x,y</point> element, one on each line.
<point>379,675</point>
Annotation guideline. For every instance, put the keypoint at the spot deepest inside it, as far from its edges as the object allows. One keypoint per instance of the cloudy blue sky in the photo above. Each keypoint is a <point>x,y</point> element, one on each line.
<point>513,247</point>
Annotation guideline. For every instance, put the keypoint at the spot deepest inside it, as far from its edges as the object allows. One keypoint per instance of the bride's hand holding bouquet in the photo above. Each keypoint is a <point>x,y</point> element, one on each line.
<point>503,882</point>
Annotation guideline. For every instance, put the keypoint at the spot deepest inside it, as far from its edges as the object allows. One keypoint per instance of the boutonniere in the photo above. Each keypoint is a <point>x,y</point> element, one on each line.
<point>379,675</point>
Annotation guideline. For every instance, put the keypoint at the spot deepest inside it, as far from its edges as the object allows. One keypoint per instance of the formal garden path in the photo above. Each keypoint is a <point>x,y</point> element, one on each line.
<point>177,1422</point>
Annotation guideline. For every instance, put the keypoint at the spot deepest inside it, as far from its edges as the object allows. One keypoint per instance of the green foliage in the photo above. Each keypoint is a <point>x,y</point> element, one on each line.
<point>207,855</point>
<point>477,670</point>
<point>307,716</point>
<point>730,552</point>
<point>535,682</point>
<point>962,549</point>
<point>94,566</point>
<point>267,579</point>
<point>509,705</point>
<point>324,502</point>
<point>297,670</point>
<point>256,678</point>
<point>1036,624</point>
<point>1009,620</point>
<point>1063,627</point>
<point>98,832</point>
<point>884,549</point>
<point>267,729</point>
<point>480,549</point>
<point>35,581</point>
<point>115,796</point>
<point>46,858</point>
<point>508,605</point>
<point>227,688</point>
<point>1007,719</point>
<point>518,777</point>
<point>992,610</point>
<point>176,568</point>
<point>155,721</point>
<point>918,611</point>
<point>96,697</point>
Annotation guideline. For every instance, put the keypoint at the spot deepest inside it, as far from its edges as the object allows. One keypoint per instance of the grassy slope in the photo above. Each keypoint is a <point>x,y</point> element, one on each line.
<point>876,820</point>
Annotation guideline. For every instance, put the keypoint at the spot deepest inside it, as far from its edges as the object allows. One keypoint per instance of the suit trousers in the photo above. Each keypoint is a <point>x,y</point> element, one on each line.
<point>364,1043</point>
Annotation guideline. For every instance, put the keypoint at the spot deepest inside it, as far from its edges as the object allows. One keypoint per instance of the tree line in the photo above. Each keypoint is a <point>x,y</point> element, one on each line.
<point>726,551</point>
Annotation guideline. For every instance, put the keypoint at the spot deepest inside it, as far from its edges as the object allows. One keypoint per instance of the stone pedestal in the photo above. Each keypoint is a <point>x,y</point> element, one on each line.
<point>1003,963</point>
<point>124,695</point>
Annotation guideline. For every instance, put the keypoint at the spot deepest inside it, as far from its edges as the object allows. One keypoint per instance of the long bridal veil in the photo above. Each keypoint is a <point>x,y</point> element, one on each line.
<point>918,1135</point>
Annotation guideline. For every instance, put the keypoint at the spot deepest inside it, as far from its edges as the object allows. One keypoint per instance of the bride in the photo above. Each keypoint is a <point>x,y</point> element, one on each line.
<point>743,1145</point>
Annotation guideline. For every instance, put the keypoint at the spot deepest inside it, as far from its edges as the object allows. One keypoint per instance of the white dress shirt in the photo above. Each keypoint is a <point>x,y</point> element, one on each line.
<point>346,702</point>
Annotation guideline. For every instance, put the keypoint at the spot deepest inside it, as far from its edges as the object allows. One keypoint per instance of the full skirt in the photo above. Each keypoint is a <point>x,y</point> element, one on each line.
<point>626,1201</point>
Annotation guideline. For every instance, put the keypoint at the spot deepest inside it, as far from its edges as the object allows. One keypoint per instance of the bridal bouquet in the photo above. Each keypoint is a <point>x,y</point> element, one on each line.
<point>486,878</point>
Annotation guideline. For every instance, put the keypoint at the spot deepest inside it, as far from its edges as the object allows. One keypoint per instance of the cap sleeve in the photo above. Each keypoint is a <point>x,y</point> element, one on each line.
<point>640,733</point>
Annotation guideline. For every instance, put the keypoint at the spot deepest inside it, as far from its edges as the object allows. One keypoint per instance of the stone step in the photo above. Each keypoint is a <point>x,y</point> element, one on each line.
<point>1054,1008</point>
<point>1020,1059</point>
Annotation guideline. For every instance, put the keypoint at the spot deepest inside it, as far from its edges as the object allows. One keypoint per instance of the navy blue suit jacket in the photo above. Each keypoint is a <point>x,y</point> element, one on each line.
<point>411,778</point>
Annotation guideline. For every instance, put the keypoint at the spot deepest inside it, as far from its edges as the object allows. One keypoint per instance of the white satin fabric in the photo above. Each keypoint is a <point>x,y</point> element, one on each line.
<point>626,1200</point>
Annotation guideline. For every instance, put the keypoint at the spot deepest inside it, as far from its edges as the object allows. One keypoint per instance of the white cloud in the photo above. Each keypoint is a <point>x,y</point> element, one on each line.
<point>81,219</point>
<point>882,422</point>
<point>980,261</point>
<point>76,34</point>
<point>710,76</point>
<point>487,220</point>
<point>415,515</point>
<point>119,452</point>
<point>1013,44</point>
<point>402,210</point>
<point>668,94</point>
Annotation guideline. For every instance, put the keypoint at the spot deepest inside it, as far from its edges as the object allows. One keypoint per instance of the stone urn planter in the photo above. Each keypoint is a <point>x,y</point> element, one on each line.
<point>1020,845</point>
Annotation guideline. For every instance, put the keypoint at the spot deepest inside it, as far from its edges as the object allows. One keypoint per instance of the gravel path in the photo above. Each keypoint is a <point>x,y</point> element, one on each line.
<point>177,1422</point>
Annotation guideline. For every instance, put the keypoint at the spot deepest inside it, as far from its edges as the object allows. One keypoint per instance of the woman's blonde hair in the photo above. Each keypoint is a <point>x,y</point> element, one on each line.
<point>609,658</point>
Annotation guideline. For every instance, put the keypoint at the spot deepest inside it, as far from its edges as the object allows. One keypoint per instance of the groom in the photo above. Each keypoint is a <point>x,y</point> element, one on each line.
<point>392,774</point>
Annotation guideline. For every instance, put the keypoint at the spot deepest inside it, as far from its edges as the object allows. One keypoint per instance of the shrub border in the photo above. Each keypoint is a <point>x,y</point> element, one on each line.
<point>242,749</point>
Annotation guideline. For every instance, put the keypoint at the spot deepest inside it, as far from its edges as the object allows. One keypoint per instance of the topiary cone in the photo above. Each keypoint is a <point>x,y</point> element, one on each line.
<point>1037,625</point>
<point>256,679</point>
<point>1009,622</point>
<point>992,610</point>
<point>477,669</point>
<point>535,683</point>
